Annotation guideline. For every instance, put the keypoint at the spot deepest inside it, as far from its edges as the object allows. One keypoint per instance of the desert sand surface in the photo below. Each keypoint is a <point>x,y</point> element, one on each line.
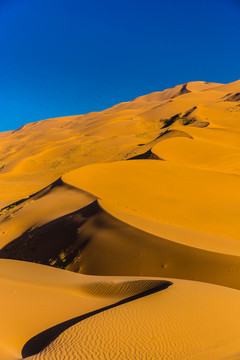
<point>195,201</point>
<point>119,230</point>
<point>37,154</point>
<point>53,202</point>
<point>35,297</point>
<point>183,321</point>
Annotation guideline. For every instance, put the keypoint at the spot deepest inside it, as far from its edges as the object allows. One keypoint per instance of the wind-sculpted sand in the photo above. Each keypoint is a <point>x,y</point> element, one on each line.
<point>51,203</point>
<point>183,321</point>
<point>135,211</point>
<point>35,297</point>
<point>37,154</point>
<point>162,192</point>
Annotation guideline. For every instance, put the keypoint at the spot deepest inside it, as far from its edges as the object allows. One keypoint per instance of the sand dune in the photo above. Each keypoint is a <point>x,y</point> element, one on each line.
<point>195,201</point>
<point>146,243</point>
<point>146,155</point>
<point>52,202</point>
<point>183,321</point>
<point>37,154</point>
<point>92,241</point>
<point>199,153</point>
<point>40,297</point>
<point>232,87</point>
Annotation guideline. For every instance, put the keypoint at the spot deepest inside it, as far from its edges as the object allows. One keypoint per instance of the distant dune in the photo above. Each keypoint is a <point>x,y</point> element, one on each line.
<point>38,153</point>
<point>119,230</point>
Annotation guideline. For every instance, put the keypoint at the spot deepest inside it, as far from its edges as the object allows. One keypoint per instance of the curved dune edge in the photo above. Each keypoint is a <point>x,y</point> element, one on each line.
<point>176,234</point>
<point>41,297</point>
<point>140,288</point>
<point>190,201</point>
<point>54,201</point>
<point>183,322</point>
<point>38,153</point>
<point>145,194</point>
<point>201,153</point>
<point>92,241</point>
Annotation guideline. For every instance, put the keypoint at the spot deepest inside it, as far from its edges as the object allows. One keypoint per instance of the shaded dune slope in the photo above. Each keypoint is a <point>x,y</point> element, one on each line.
<point>183,90</point>
<point>234,97</point>
<point>147,155</point>
<point>52,202</point>
<point>91,241</point>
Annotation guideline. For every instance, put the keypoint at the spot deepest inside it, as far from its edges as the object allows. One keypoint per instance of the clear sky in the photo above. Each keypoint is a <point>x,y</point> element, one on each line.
<point>69,57</point>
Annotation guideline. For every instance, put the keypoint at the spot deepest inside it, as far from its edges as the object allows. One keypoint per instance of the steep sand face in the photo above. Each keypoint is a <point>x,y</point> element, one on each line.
<point>91,241</point>
<point>183,321</point>
<point>51,203</point>
<point>35,297</point>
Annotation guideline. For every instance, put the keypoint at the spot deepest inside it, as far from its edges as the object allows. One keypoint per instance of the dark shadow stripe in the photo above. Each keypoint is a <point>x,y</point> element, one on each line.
<point>42,340</point>
<point>234,97</point>
<point>147,155</point>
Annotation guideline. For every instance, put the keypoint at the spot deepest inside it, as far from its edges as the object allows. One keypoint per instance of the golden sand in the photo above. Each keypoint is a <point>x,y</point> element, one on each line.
<point>140,203</point>
<point>182,322</point>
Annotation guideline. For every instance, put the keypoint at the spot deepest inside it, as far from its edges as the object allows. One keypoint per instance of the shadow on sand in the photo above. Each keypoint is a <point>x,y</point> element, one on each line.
<point>40,341</point>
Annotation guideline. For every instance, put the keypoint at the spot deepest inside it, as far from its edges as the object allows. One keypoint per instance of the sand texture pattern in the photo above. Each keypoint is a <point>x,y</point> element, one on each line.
<point>180,322</point>
<point>120,233</point>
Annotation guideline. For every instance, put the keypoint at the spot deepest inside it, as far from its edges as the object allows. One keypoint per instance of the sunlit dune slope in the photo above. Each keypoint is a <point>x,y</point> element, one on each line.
<point>138,200</point>
<point>232,87</point>
<point>147,194</point>
<point>37,154</point>
<point>35,297</point>
<point>184,321</point>
<point>187,197</point>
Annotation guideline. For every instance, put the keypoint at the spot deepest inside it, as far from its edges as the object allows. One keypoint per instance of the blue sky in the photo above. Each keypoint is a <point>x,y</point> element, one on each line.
<point>60,58</point>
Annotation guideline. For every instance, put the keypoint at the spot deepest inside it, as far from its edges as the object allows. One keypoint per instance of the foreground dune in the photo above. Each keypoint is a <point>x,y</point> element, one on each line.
<point>35,297</point>
<point>183,321</point>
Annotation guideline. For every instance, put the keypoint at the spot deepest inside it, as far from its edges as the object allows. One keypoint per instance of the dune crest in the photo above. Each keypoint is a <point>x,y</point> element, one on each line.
<point>135,211</point>
<point>41,297</point>
<point>167,200</point>
<point>37,154</point>
<point>164,325</point>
